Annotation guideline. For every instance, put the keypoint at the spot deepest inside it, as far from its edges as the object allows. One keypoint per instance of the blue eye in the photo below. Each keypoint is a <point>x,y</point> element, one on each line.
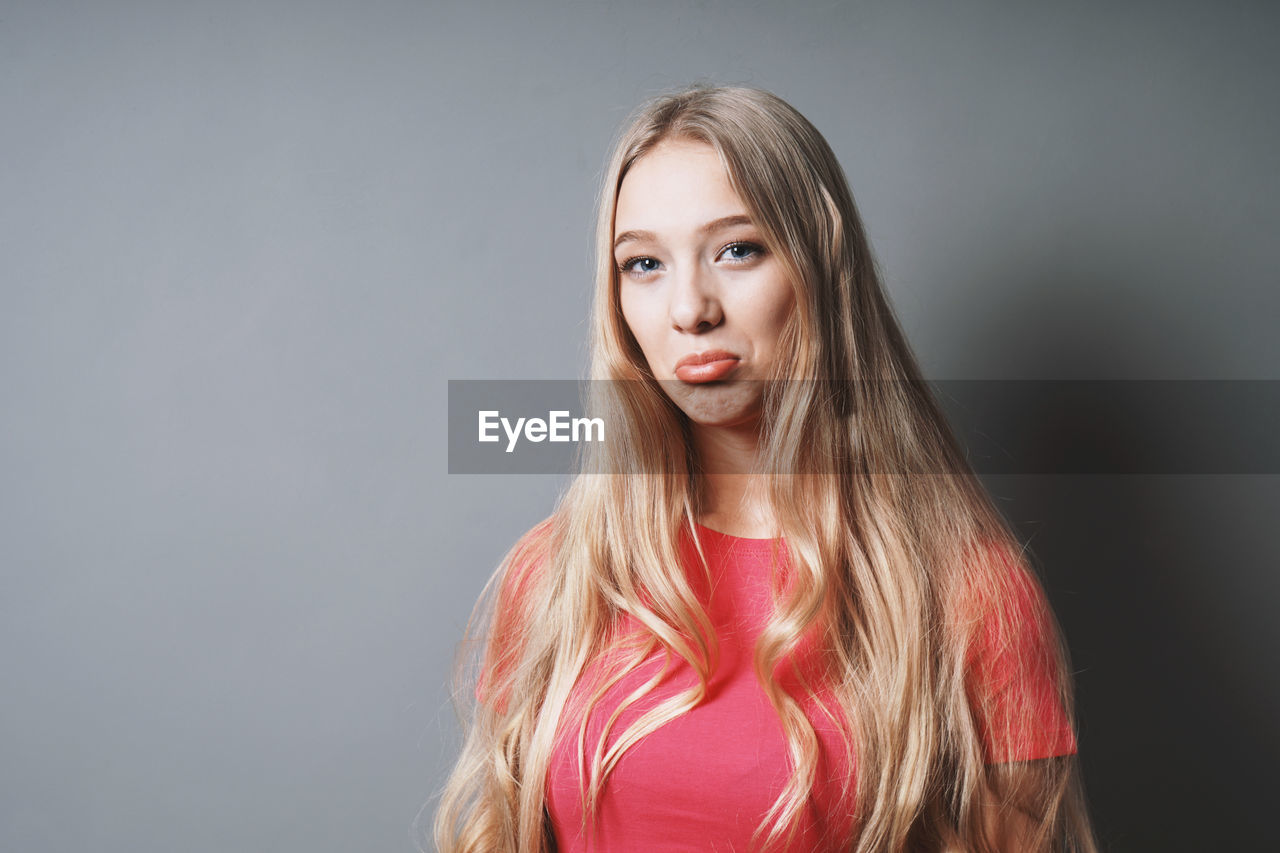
<point>741,251</point>
<point>639,265</point>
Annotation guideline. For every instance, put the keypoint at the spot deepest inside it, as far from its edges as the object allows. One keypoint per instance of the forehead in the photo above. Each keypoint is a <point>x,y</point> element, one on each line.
<point>680,184</point>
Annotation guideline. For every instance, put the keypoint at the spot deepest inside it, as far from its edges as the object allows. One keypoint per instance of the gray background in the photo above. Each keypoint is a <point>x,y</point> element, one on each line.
<point>245,244</point>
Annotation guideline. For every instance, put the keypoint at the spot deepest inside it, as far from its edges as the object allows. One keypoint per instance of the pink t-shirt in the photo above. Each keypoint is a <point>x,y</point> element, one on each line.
<point>706,779</point>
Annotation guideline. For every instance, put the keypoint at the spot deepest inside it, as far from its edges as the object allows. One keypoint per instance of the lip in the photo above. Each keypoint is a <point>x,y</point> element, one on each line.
<point>705,357</point>
<point>706,366</point>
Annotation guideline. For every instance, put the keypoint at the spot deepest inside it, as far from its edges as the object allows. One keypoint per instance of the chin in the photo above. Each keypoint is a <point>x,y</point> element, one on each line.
<point>717,404</point>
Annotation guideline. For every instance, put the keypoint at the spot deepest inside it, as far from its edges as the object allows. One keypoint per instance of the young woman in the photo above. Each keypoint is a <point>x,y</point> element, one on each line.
<point>776,610</point>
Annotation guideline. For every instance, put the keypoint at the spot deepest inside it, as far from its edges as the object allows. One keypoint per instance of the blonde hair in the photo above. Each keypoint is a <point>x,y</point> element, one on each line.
<point>896,554</point>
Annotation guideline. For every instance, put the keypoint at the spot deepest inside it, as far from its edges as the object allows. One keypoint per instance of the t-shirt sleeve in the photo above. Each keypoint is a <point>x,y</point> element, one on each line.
<point>512,610</point>
<point>1012,673</point>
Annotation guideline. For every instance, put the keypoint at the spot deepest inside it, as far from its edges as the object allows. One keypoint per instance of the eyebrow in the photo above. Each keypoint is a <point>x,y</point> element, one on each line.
<point>710,228</point>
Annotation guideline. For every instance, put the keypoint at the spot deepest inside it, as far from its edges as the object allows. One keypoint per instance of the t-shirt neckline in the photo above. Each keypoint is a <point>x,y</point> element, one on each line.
<point>729,538</point>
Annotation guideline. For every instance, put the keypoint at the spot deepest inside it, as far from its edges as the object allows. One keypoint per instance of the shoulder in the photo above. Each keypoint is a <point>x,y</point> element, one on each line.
<point>999,590</point>
<point>514,605</point>
<point>1006,615</point>
<point>524,562</point>
<point>1015,661</point>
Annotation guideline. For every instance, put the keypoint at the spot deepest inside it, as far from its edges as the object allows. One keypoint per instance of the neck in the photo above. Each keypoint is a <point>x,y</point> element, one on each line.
<point>733,497</point>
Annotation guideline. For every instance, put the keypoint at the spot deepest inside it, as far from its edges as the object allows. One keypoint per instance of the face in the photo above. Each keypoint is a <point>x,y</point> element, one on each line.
<point>703,296</point>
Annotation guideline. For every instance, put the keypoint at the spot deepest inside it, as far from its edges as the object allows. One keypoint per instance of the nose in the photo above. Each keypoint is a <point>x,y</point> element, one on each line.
<point>694,305</point>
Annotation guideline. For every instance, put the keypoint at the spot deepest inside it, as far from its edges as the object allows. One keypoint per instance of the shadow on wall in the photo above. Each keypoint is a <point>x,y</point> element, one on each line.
<point>1162,583</point>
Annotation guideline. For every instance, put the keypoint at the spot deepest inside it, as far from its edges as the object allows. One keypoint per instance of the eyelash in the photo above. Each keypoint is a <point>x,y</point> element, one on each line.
<point>756,249</point>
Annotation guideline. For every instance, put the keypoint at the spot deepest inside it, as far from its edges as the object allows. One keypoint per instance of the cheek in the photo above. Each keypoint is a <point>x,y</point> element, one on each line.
<point>776,312</point>
<point>626,307</point>
<point>772,319</point>
<point>635,320</point>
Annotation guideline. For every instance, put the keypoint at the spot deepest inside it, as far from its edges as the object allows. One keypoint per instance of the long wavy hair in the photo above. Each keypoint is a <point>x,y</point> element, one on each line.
<point>896,555</point>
